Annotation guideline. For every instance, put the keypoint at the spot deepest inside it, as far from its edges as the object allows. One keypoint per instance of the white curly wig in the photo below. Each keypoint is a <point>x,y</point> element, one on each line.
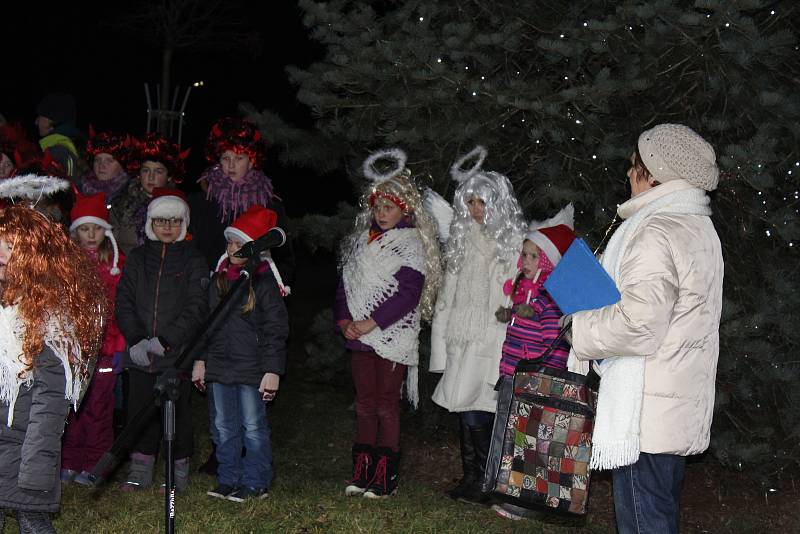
<point>503,220</point>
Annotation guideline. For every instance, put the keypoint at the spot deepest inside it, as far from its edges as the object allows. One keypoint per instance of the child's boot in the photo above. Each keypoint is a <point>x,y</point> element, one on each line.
<point>467,461</point>
<point>384,481</point>
<point>140,474</point>
<point>363,469</point>
<point>181,474</point>
<point>481,438</point>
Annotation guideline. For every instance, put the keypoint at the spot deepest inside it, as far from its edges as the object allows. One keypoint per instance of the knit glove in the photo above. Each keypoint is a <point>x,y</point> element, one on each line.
<point>138,353</point>
<point>269,386</point>
<point>154,346</point>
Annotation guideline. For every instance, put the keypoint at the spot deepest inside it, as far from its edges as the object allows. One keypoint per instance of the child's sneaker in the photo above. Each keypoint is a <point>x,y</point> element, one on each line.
<point>384,482</point>
<point>222,491</point>
<point>140,474</point>
<point>363,470</point>
<point>246,493</point>
<point>68,475</point>
<point>83,479</point>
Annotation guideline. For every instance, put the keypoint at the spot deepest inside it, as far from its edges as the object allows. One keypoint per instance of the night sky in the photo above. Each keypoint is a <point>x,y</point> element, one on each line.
<point>72,47</point>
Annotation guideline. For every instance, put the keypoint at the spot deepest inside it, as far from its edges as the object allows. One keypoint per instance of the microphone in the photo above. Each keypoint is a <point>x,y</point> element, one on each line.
<point>276,237</point>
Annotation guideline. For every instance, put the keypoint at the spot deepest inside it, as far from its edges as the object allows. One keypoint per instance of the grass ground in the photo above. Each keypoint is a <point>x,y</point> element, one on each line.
<point>312,426</point>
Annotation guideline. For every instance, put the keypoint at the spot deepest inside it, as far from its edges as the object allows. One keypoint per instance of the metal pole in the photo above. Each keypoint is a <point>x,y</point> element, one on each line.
<point>182,114</point>
<point>149,106</point>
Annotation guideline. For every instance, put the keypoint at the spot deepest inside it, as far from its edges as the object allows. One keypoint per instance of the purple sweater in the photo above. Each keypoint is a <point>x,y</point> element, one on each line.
<point>409,291</point>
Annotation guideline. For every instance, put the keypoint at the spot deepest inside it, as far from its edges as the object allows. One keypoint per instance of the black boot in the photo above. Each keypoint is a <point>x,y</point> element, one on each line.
<point>210,466</point>
<point>481,437</point>
<point>467,460</point>
<point>384,481</point>
<point>363,469</point>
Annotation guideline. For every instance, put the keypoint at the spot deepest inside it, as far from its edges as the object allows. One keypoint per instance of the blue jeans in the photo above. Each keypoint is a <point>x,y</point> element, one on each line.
<point>241,419</point>
<point>476,418</point>
<point>647,494</point>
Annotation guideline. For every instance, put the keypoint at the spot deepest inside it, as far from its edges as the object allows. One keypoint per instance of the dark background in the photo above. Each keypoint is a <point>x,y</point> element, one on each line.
<point>76,48</point>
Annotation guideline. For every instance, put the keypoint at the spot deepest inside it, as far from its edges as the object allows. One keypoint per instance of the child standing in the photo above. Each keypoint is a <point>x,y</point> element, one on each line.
<point>161,301</point>
<point>90,433</point>
<point>245,357</point>
<point>533,318</point>
<point>484,241</point>
<point>51,321</point>
<point>390,273</point>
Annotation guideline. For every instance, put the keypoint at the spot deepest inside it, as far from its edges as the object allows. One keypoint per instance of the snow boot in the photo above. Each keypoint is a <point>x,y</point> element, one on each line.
<point>363,469</point>
<point>467,461</point>
<point>481,438</point>
<point>140,474</point>
<point>384,481</point>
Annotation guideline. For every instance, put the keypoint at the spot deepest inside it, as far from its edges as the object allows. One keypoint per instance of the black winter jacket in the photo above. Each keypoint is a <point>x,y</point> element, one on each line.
<point>208,233</point>
<point>242,347</point>
<point>162,293</point>
<point>30,450</point>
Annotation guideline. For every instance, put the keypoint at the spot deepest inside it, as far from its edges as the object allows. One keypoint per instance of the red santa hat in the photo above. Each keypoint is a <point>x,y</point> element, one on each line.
<point>93,209</point>
<point>249,226</point>
<point>167,203</point>
<point>553,241</point>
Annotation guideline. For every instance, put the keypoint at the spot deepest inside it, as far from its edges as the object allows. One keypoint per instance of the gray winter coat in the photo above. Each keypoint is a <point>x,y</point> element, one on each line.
<point>30,450</point>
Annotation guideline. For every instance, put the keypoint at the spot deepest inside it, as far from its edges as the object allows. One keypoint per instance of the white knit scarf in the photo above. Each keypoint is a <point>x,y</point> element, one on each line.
<point>615,442</point>
<point>369,280</point>
<point>13,375</point>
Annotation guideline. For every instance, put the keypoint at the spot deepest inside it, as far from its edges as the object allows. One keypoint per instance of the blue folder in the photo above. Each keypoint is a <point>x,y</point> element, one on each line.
<point>579,282</point>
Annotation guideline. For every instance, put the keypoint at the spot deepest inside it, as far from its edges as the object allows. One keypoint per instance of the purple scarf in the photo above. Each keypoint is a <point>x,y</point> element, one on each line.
<point>91,184</point>
<point>235,197</point>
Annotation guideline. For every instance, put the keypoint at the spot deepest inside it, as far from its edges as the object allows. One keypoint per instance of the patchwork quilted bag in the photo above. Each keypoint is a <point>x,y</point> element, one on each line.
<point>543,440</point>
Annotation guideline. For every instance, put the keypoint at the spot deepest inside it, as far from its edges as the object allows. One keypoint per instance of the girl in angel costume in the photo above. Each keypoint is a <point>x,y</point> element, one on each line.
<point>390,272</point>
<point>481,253</point>
<point>52,310</point>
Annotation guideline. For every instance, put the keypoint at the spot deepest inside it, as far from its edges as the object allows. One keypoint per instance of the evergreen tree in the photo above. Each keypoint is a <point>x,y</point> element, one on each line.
<point>558,92</point>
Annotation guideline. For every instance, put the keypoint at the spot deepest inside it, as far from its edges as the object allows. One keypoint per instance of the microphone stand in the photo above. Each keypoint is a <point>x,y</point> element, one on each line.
<point>165,393</point>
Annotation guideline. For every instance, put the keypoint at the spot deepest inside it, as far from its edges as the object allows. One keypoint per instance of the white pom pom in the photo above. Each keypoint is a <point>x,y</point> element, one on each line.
<point>377,177</point>
<point>566,216</point>
<point>440,210</point>
<point>460,174</point>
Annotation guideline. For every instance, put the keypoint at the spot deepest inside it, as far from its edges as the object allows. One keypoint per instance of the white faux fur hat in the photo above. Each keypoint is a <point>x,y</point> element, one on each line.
<point>672,151</point>
<point>167,203</point>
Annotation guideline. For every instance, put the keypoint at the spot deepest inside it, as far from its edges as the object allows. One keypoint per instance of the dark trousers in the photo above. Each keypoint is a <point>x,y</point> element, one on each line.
<point>378,383</point>
<point>90,432</point>
<point>140,392</point>
<point>647,494</point>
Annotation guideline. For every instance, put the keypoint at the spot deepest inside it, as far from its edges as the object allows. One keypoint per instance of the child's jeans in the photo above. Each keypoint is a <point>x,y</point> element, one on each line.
<point>378,384</point>
<point>241,420</point>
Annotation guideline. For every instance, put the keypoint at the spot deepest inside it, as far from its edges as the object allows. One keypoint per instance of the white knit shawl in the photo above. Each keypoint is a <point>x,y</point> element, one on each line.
<point>369,281</point>
<point>13,375</point>
<point>615,441</point>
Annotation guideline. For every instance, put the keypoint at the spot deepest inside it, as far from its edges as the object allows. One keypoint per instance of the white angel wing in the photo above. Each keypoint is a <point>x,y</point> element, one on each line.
<point>440,210</point>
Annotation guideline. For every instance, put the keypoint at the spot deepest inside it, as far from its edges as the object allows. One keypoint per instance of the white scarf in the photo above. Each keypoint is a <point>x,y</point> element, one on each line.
<point>615,441</point>
<point>13,374</point>
<point>369,281</point>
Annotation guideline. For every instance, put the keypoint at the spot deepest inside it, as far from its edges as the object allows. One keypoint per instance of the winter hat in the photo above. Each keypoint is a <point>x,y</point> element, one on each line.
<point>673,151</point>
<point>553,241</point>
<point>249,226</point>
<point>58,107</point>
<point>238,135</point>
<point>93,209</point>
<point>167,203</point>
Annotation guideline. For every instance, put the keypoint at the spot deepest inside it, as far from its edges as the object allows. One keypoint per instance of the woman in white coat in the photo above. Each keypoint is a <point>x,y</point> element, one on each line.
<point>466,339</point>
<point>659,344</point>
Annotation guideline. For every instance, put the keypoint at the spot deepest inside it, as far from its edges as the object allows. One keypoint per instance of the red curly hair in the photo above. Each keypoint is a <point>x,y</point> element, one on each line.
<point>49,276</point>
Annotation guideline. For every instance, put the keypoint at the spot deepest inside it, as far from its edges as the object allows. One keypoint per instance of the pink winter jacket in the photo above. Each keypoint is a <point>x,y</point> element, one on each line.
<point>671,286</point>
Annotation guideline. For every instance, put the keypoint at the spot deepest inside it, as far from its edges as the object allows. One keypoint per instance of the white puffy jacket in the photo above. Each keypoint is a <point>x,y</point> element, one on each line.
<point>671,286</point>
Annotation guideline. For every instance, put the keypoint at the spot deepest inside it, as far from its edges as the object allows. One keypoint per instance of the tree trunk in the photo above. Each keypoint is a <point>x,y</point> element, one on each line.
<point>164,107</point>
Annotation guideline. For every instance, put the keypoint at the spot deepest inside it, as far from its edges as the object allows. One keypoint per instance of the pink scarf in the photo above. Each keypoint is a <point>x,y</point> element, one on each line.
<point>234,198</point>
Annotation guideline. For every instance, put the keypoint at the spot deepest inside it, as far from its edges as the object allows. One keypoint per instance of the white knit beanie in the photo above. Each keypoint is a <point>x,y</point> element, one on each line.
<point>673,151</point>
<point>167,206</point>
